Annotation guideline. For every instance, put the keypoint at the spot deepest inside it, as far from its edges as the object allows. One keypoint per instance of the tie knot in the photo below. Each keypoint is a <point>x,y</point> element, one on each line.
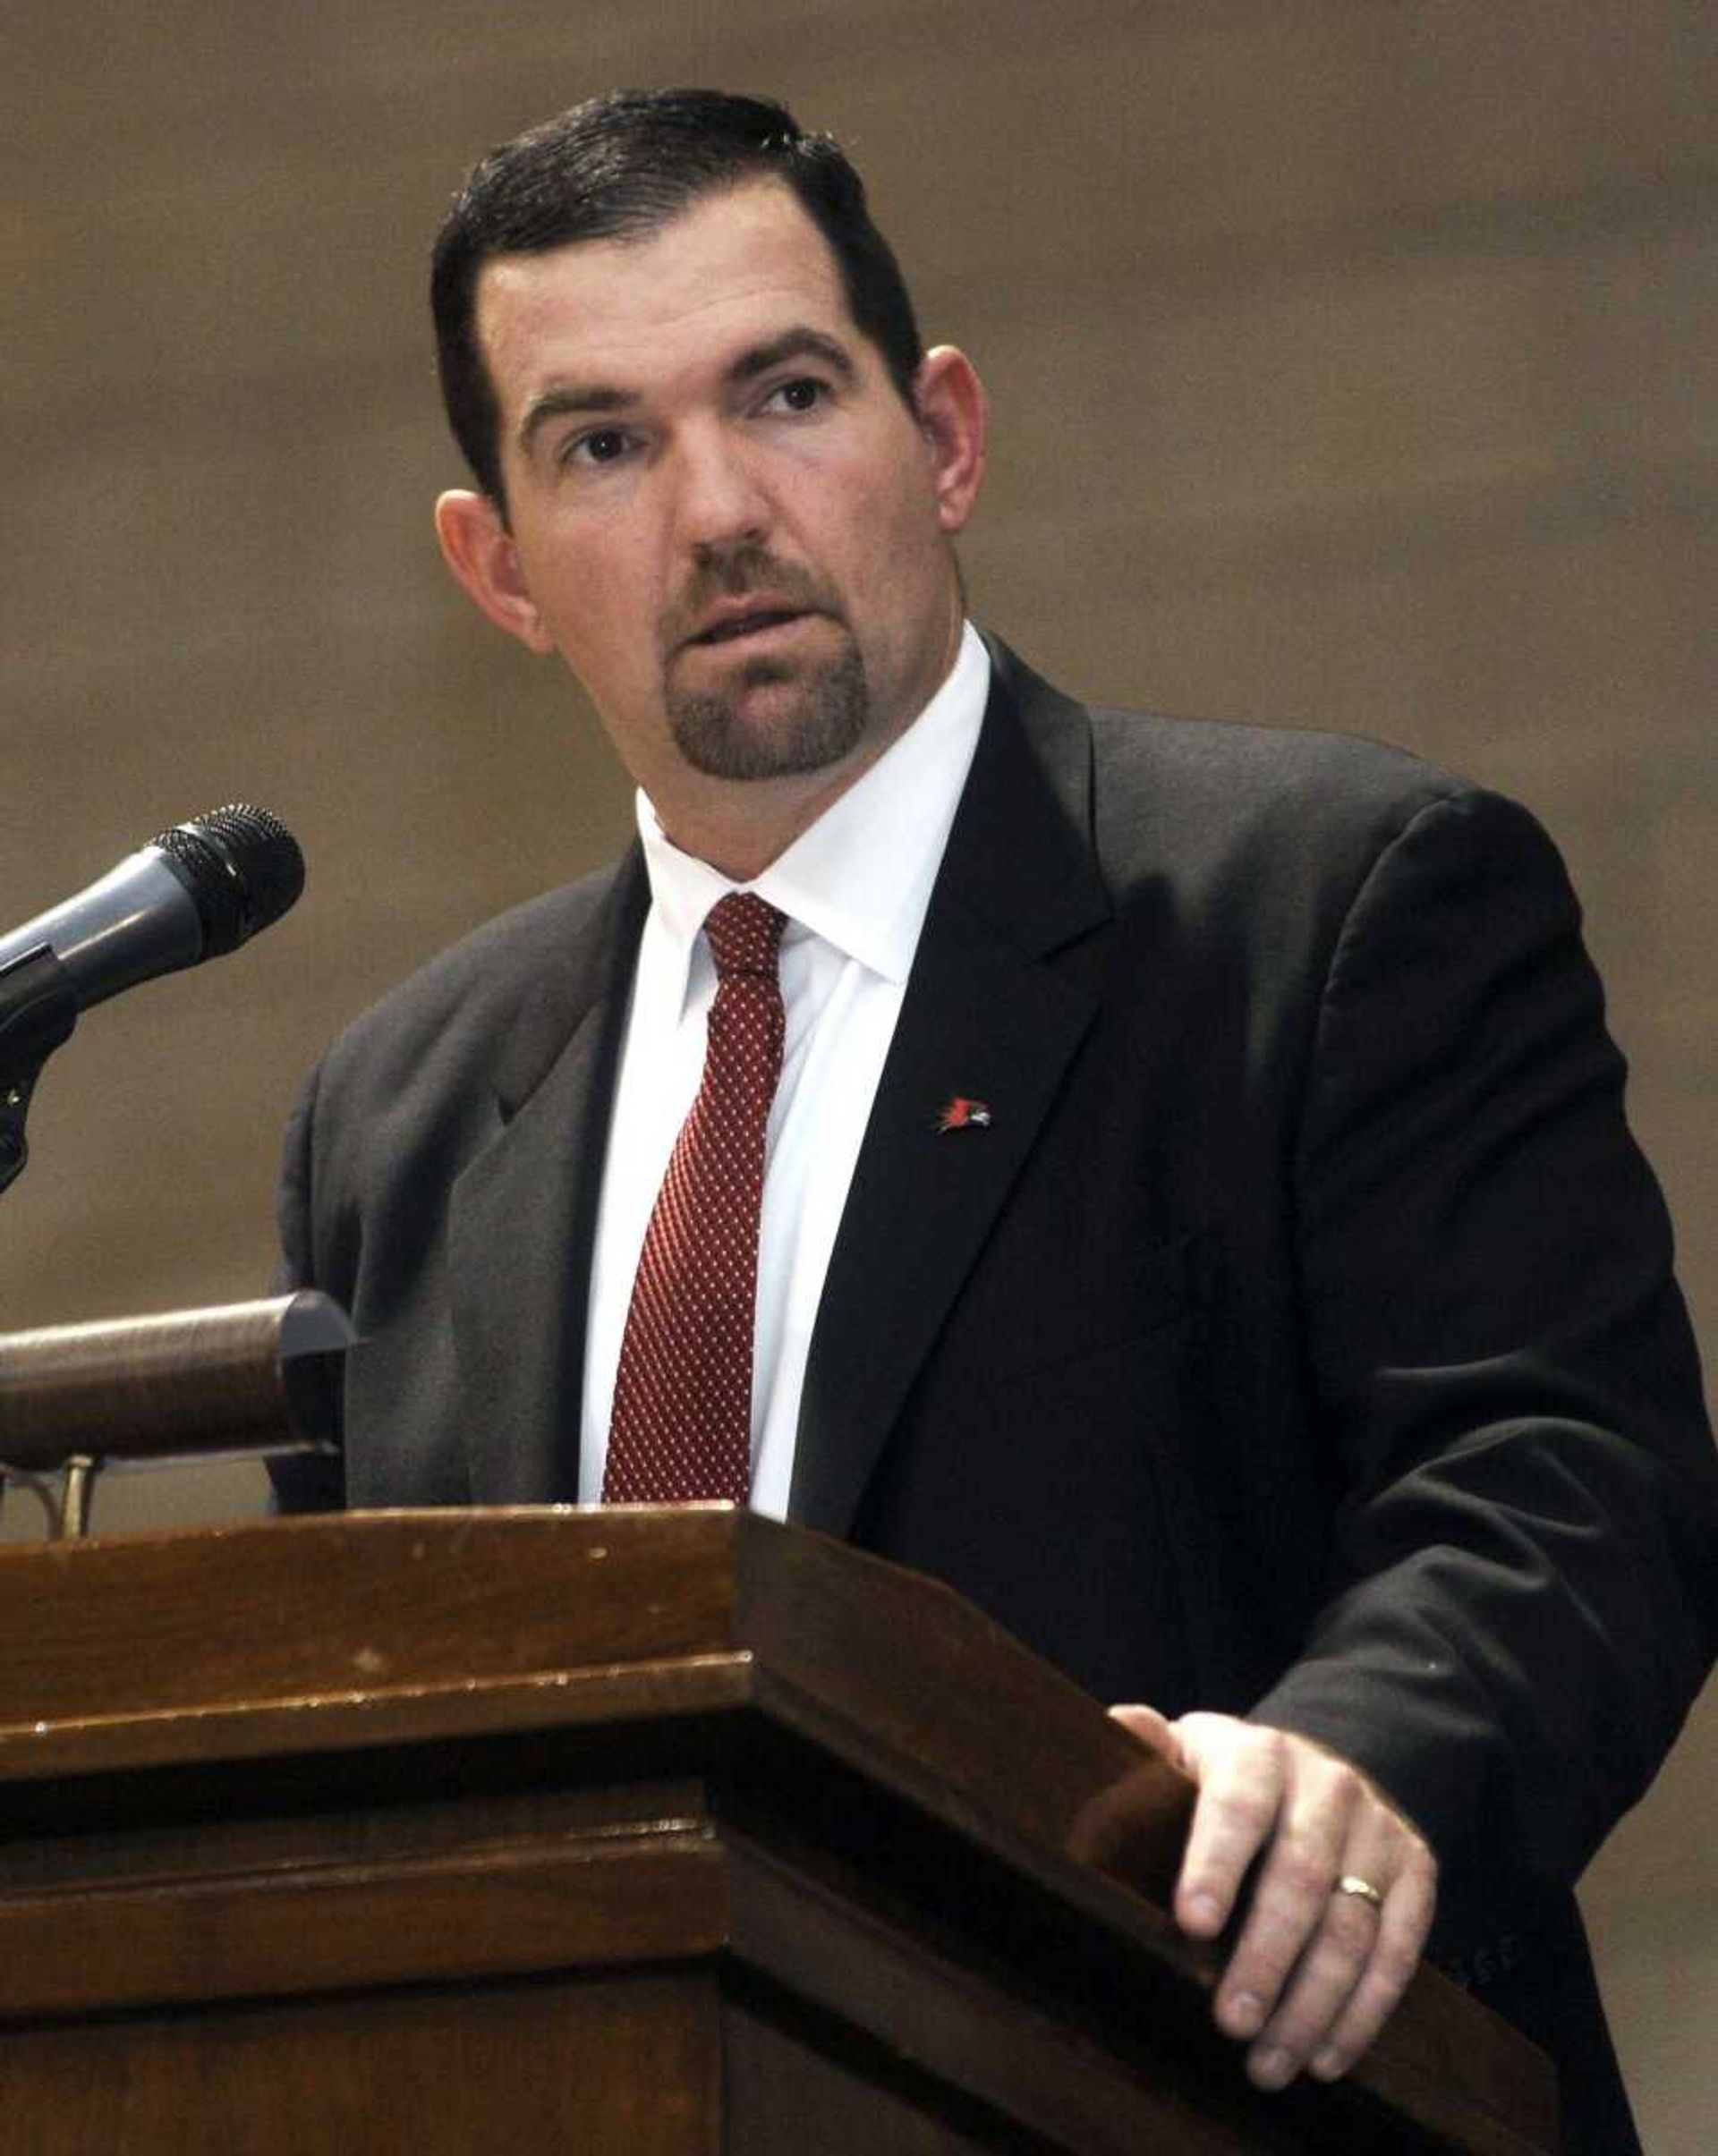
<point>745,934</point>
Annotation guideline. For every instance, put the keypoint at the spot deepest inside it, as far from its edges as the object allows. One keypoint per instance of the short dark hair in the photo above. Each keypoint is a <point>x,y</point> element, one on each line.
<point>623,165</point>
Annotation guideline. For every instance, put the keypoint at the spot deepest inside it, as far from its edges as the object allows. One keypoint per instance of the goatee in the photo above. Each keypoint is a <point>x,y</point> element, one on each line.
<point>827,720</point>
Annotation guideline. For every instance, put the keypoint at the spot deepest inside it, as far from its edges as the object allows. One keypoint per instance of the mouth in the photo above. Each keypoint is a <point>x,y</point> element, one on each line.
<point>741,624</point>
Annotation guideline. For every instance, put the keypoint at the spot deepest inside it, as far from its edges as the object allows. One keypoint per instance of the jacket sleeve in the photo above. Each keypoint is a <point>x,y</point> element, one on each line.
<point>1522,1606</point>
<point>304,1481</point>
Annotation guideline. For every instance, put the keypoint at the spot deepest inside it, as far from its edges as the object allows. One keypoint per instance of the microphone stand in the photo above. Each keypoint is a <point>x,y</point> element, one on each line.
<point>39,1008</point>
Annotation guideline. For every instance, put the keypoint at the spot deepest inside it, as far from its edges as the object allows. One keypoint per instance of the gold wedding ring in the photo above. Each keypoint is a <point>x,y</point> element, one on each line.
<point>1361,1889</point>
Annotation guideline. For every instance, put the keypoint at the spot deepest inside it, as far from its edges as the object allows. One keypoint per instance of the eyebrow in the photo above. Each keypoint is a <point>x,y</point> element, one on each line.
<point>574,399</point>
<point>796,343</point>
<point>567,402</point>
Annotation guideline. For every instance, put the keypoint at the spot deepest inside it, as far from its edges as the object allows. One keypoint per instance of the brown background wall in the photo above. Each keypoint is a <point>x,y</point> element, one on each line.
<point>1353,363</point>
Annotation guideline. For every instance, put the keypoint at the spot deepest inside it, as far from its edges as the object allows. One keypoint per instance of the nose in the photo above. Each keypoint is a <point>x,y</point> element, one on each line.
<point>720,499</point>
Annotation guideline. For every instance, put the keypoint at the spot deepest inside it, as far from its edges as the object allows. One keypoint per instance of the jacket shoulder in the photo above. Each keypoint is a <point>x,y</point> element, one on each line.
<point>1265,837</point>
<point>1179,785</point>
<point>1230,776</point>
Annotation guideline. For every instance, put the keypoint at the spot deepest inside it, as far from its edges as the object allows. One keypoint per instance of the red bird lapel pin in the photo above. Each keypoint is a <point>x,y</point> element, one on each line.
<point>960,1114</point>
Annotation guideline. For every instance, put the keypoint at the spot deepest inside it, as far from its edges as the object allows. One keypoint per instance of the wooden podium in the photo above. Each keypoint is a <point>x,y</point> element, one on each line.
<point>650,1831</point>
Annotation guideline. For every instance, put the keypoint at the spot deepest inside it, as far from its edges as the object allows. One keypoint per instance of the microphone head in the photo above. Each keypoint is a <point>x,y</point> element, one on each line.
<point>242,868</point>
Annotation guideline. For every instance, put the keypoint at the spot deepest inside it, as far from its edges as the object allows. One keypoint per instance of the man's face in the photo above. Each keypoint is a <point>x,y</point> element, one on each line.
<point>722,514</point>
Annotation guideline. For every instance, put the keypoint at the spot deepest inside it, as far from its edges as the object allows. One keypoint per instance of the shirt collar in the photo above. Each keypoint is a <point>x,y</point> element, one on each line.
<point>861,876</point>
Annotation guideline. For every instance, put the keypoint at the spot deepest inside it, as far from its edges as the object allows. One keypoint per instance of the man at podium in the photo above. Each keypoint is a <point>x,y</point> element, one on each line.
<point>1168,1180</point>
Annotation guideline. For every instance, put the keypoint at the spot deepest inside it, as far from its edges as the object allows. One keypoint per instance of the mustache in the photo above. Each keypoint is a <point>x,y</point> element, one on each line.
<point>736,573</point>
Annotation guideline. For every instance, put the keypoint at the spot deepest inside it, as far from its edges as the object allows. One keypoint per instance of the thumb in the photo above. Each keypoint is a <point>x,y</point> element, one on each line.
<point>1154,1729</point>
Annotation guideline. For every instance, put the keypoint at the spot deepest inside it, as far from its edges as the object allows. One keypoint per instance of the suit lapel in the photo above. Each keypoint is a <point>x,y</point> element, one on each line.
<point>985,1016</point>
<point>523,1215</point>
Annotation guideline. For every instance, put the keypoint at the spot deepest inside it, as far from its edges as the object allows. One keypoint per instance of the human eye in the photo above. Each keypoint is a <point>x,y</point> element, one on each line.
<point>596,447</point>
<point>802,392</point>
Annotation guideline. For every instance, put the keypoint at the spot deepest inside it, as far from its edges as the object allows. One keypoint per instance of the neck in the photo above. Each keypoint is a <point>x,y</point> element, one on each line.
<point>739,827</point>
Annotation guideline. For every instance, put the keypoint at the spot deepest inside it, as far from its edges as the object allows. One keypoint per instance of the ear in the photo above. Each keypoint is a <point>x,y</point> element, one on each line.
<point>479,550</point>
<point>954,419</point>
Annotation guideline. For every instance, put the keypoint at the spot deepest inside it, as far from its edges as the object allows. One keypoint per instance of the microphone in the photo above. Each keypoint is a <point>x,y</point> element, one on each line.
<point>195,892</point>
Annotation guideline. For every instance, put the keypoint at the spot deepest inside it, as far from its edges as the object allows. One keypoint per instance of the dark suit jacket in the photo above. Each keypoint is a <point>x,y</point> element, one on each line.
<point>1299,1338</point>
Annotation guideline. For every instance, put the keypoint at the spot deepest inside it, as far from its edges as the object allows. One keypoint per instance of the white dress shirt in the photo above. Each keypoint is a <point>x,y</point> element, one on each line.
<point>855,888</point>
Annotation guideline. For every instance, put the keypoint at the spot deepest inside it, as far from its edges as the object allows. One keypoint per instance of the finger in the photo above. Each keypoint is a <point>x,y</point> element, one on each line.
<point>1152,1728</point>
<point>1326,1979</point>
<point>1135,1826</point>
<point>1290,1905</point>
<point>1358,1962</point>
<point>1403,1926</point>
<point>1243,1779</point>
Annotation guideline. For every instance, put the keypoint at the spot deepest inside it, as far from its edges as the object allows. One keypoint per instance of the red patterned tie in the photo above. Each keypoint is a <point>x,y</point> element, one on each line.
<point>681,1422</point>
